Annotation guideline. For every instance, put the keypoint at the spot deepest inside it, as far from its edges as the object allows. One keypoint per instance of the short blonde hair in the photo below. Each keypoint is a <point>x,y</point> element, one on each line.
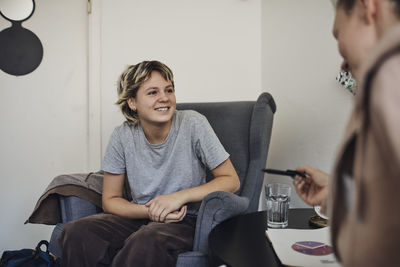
<point>132,78</point>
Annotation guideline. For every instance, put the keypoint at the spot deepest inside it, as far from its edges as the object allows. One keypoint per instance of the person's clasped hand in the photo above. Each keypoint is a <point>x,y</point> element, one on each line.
<point>314,189</point>
<point>176,216</point>
<point>166,208</point>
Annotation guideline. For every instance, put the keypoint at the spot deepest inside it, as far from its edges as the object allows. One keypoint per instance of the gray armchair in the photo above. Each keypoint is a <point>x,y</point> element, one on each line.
<point>244,129</point>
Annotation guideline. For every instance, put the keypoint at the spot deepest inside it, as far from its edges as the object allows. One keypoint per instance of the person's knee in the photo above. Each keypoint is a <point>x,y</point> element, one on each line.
<point>141,248</point>
<point>75,231</point>
<point>151,235</point>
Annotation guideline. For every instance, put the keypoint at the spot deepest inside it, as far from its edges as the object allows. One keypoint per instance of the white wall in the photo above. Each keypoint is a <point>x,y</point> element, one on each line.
<point>213,48</point>
<point>43,119</point>
<point>299,65</point>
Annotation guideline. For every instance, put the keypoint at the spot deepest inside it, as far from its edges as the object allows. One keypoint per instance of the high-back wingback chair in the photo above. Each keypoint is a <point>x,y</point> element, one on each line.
<point>244,129</point>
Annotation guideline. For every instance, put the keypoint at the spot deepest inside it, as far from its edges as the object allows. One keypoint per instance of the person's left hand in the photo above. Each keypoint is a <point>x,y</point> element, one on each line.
<point>161,206</point>
<point>176,216</point>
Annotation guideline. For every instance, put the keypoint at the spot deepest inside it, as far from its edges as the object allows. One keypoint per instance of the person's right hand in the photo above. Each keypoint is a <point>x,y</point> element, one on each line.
<point>314,189</point>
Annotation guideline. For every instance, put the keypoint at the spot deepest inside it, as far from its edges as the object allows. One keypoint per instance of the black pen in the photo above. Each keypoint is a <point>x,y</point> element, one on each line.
<point>291,173</point>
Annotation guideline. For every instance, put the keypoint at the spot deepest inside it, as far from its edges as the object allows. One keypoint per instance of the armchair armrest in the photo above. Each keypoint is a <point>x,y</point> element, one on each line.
<point>215,208</point>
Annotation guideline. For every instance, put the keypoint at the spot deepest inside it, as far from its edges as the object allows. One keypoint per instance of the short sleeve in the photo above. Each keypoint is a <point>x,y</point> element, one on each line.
<point>114,158</point>
<point>207,145</point>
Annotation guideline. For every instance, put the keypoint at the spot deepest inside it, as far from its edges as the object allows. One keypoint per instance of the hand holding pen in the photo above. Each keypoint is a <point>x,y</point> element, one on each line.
<point>314,189</point>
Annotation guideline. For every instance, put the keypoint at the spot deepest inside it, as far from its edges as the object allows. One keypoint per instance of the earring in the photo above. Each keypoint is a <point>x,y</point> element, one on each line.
<point>347,81</point>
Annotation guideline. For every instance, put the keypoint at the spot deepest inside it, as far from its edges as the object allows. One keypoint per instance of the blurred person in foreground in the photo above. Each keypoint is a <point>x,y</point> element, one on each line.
<point>362,195</point>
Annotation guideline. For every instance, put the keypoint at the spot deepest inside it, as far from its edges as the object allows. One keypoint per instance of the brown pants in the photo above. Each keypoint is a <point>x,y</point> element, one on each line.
<point>102,239</point>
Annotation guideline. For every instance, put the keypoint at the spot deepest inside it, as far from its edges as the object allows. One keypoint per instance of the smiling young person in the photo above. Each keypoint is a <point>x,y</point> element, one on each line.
<point>362,195</point>
<point>163,153</point>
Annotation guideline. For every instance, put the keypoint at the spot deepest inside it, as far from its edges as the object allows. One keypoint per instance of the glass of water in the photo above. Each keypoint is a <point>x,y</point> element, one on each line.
<point>278,199</point>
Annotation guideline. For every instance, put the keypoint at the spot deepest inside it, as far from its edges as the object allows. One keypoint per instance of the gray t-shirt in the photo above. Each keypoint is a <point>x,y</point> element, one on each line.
<point>178,163</point>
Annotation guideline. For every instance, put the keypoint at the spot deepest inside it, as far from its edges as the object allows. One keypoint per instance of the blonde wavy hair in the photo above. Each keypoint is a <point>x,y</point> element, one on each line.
<point>132,78</point>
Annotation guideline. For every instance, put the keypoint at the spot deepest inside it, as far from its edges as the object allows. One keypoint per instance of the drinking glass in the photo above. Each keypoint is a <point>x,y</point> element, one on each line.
<point>278,199</point>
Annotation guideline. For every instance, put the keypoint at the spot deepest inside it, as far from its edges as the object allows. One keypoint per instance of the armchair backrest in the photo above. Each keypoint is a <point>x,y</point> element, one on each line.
<point>244,129</point>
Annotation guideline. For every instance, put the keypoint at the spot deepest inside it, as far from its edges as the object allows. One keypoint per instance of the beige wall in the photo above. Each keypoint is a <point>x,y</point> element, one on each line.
<point>299,65</point>
<point>43,119</point>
